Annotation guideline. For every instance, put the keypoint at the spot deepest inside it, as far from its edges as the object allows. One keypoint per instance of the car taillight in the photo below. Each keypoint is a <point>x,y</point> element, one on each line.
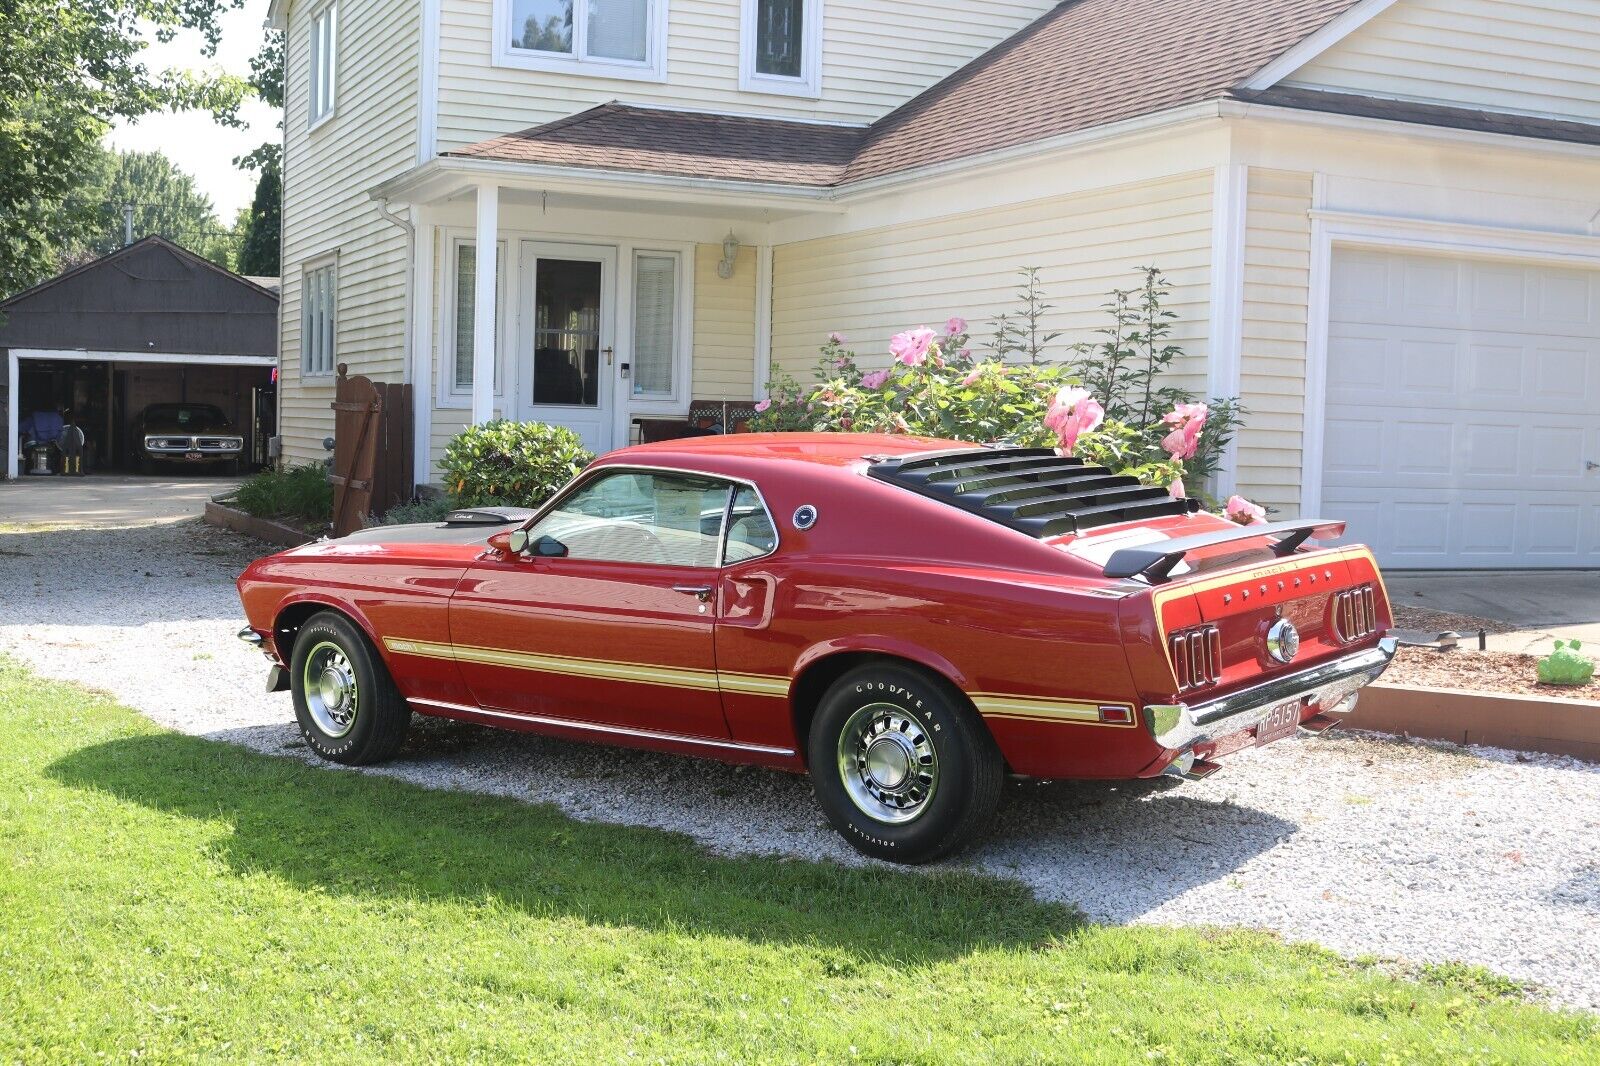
<point>1355,614</point>
<point>1197,657</point>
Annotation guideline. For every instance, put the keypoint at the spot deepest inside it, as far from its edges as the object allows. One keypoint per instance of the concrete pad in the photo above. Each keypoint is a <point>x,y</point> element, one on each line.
<point>102,501</point>
<point>1542,605</point>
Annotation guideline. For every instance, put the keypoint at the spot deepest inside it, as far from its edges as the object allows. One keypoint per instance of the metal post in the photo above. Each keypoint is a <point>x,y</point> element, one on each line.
<point>127,224</point>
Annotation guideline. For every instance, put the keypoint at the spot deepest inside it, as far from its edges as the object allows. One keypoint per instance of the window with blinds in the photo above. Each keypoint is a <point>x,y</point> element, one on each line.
<point>466,303</point>
<point>655,323</point>
<point>318,306</point>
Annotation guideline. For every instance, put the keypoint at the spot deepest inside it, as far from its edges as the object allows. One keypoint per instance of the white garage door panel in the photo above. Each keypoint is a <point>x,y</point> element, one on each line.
<point>1463,403</point>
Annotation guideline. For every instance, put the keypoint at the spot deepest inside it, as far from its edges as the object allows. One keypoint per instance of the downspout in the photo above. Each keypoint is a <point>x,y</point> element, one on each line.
<point>408,343</point>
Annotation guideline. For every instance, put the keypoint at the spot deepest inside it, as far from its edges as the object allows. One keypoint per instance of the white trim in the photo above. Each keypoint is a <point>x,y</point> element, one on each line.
<point>422,379</point>
<point>1316,44</point>
<point>1340,229</point>
<point>763,342</point>
<point>1229,206</point>
<point>13,428</point>
<point>429,29</point>
<point>485,304</point>
<point>98,356</point>
<point>654,67</point>
<point>809,84</point>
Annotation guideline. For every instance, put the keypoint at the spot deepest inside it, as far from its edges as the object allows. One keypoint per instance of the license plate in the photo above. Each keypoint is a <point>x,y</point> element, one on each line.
<point>193,455</point>
<point>1280,722</point>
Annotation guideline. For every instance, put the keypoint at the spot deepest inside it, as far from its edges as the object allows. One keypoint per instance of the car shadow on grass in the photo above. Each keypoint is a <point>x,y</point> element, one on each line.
<point>370,837</point>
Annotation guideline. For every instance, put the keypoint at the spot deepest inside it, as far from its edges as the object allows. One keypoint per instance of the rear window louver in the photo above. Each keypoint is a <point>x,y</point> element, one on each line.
<point>1032,490</point>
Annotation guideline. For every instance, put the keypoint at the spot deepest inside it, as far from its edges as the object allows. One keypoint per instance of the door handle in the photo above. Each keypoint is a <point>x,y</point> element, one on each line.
<point>699,592</point>
<point>610,353</point>
<point>1590,464</point>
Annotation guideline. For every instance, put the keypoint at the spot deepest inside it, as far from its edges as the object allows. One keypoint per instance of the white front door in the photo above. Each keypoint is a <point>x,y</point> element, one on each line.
<point>1461,427</point>
<point>565,346</point>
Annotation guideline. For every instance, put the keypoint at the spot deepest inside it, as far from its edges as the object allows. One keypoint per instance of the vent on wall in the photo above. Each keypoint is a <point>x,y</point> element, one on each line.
<point>1032,490</point>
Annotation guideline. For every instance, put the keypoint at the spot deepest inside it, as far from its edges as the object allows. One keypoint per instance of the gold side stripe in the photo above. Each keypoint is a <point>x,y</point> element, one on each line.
<point>989,704</point>
<point>603,669</point>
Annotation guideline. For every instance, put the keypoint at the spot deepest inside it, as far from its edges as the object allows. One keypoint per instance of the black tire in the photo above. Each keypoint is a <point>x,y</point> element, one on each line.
<point>359,717</point>
<point>953,771</point>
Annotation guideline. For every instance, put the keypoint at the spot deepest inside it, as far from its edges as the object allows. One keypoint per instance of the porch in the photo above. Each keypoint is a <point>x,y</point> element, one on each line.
<point>613,308</point>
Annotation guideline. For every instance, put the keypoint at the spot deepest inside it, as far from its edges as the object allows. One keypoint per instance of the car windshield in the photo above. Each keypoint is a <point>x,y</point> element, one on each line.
<point>184,413</point>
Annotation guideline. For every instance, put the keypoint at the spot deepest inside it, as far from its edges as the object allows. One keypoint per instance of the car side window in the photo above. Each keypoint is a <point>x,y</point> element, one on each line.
<point>640,517</point>
<point>751,533</point>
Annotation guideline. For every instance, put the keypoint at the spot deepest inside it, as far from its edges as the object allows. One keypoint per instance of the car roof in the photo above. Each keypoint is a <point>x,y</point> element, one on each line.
<point>822,449</point>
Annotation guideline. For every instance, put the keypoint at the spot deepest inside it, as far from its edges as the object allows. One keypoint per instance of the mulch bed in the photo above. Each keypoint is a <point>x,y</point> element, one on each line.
<point>1433,622</point>
<point>1479,671</point>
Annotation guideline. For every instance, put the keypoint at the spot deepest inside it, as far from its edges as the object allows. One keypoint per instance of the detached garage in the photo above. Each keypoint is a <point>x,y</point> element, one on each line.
<point>149,324</point>
<point>1462,420</point>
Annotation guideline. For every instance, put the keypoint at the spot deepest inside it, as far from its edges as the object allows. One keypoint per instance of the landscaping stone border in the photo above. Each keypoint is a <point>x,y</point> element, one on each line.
<point>266,529</point>
<point>1549,724</point>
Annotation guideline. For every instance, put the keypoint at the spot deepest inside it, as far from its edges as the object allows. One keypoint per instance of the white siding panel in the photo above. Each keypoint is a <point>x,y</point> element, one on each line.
<point>871,285</point>
<point>371,136</point>
<point>1277,274</point>
<point>1538,57</point>
<point>876,55</point>
<point>724,326</point>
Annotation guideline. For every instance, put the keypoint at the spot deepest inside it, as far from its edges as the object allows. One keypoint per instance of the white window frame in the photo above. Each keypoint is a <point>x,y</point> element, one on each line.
<point>654,67</point>
<point>676,356</point>
<point>331,335</point>
<point>809,83</point>
<point>452,395</point>
<point>315,118</point>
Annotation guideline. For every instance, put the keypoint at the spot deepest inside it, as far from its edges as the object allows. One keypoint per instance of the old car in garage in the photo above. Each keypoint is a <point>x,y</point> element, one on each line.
<point>908,620</point>
<point>191,434</point>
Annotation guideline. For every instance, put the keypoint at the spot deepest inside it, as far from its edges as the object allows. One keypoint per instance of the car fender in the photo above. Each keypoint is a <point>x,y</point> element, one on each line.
<point>321,598</point>
<point>878,644</point>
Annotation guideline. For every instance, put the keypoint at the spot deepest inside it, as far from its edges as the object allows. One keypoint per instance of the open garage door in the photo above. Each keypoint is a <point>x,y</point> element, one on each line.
<point>1462,400</point>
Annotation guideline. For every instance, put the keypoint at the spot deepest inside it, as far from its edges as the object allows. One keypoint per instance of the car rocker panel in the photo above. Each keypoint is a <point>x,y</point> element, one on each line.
<point>763,599</point>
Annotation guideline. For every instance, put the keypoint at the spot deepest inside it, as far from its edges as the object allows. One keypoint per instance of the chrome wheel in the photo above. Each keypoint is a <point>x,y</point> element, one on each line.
<point>887,763</point>
<point>330,689</point>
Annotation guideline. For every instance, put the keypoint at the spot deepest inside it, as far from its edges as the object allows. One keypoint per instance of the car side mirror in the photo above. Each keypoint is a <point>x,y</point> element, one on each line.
<point>548,547</point>
<point>505,542</point>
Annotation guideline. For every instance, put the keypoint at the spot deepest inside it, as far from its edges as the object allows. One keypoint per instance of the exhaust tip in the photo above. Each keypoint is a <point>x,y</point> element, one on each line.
<point>1190,768</point>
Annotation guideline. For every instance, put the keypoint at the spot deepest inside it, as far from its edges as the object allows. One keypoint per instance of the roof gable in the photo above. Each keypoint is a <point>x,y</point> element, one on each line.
<point>1527,57</point>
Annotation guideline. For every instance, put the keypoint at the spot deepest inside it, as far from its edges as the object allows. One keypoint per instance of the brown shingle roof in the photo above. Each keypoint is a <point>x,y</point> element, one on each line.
<point>1084,63</point>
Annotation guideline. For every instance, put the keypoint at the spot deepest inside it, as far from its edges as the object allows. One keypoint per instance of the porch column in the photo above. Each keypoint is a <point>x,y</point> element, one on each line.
<point>484,310</point>
<point>423,384</point>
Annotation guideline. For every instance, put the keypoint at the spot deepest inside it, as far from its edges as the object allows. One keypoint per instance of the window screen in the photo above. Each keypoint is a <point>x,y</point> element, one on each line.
<point>655,304</point>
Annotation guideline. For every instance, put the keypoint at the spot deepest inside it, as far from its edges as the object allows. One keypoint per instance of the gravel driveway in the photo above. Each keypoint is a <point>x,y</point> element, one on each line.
<point>1365,845</point>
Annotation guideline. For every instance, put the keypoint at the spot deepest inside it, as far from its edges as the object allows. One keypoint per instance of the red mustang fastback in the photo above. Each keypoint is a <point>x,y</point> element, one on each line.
<point>907,619</point>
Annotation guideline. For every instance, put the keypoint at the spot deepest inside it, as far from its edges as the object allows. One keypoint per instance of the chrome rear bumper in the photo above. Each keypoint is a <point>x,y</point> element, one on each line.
<point>1326,686</point>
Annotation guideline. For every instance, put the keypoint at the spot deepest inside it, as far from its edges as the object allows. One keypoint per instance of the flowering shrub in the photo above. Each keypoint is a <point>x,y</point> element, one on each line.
<point>1107,408</point>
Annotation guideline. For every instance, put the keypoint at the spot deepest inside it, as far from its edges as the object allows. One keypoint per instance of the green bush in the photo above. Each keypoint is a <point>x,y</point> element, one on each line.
<point>419,511</point>
<point>301,493</point>
<point>521,464</point>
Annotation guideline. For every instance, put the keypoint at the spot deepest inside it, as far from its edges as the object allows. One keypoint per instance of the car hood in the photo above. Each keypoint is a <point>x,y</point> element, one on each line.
<point>159,424</point>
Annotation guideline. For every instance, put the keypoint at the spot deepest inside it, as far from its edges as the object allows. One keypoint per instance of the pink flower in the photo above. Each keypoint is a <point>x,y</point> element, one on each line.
<point>911,347</point>
<point>837,338</point>
<point>1244,512</point>
<point>875,379</point>
<point>972,378</point>
<point>763,405</point>
<point>1176,489</point>
<point>956,325</point>
<point>966,353</point>
<point>1188,419</point>
<point>1073,413</point>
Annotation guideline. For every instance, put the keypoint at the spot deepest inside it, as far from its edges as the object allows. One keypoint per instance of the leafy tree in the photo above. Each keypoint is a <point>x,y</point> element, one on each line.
<point>260,225</point>
<point>165,203</point>
<point>67,70</point>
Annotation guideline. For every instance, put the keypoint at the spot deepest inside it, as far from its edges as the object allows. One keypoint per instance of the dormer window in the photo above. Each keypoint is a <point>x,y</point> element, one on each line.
<point>611,38</point>
<point>781,47</point>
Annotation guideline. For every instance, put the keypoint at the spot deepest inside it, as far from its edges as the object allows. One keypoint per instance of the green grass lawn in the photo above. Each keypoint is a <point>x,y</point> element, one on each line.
<point>175,899</point>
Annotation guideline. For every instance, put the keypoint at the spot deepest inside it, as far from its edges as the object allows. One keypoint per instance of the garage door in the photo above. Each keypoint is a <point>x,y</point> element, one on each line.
<point>1463,406</point>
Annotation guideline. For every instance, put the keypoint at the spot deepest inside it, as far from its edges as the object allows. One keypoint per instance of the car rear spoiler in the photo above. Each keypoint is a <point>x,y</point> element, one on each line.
<point>1155,562</point>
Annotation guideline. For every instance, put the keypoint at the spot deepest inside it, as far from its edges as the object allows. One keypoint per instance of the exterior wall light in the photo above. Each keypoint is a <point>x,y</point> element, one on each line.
<point>730,255</point>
